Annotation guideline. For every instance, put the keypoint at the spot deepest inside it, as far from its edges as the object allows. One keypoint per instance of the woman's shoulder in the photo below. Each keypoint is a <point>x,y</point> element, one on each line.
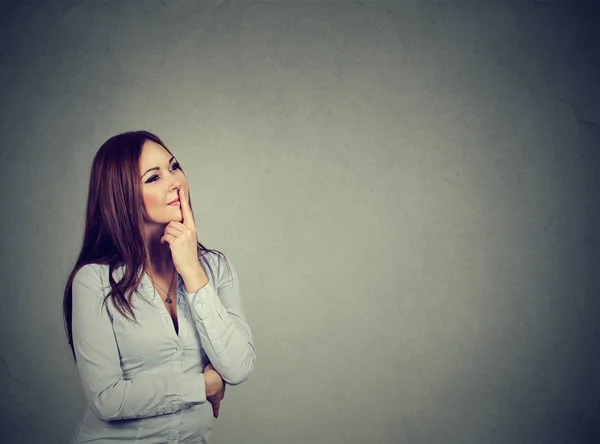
<point>93,274</point>
<point>213,257</point>
<point>219,266</point>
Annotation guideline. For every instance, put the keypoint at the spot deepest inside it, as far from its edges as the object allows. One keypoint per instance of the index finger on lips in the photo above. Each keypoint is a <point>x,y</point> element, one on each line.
<point>188,218</point>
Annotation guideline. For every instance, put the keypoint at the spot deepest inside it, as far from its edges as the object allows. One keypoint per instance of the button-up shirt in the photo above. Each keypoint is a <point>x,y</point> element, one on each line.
<point>143,381</point>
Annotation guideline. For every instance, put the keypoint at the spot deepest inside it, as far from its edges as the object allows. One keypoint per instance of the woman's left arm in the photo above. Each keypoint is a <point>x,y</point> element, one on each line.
<point>219,318</point>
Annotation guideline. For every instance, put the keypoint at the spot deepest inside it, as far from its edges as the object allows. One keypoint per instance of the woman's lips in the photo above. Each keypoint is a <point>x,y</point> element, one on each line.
<point>175,203</point>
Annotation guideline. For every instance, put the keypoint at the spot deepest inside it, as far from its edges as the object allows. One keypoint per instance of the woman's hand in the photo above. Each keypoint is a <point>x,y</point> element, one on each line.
<point>212,379</point>
<point>183,243</point>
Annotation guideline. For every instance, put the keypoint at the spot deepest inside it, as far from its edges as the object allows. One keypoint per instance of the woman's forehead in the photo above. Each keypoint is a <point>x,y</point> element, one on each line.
<point>153,153</point>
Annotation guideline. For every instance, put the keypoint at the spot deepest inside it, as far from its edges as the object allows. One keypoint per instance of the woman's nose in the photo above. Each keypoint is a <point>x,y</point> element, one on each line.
<point>176,184</point>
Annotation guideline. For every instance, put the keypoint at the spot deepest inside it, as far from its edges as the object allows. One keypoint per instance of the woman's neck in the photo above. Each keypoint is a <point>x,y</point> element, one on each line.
<point>159,255</point>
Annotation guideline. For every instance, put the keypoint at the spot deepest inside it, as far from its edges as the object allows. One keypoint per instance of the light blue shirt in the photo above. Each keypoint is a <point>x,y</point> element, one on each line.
<point>143,382</point>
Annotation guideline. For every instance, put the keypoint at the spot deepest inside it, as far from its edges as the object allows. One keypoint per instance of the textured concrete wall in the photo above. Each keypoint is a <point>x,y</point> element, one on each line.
<point>408,190</point>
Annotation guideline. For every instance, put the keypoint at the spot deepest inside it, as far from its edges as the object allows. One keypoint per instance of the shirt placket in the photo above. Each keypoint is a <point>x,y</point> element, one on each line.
<point>177,354</point>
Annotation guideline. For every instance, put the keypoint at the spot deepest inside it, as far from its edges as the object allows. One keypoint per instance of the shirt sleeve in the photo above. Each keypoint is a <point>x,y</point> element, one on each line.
<point>218,314</point>
<point>108,394</point>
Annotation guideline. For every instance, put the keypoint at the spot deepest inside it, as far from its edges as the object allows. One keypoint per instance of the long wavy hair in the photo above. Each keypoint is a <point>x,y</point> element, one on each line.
<point>113,233</point>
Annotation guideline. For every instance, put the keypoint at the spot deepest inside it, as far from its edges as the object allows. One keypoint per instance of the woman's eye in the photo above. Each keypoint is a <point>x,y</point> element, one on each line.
<point>174,166</point>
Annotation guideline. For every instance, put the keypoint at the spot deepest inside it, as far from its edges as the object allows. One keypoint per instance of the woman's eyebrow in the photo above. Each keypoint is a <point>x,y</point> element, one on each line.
<point>157,168</point>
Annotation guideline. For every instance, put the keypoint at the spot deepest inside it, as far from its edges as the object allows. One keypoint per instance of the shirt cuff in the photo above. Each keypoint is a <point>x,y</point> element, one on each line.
<point>202,300</point>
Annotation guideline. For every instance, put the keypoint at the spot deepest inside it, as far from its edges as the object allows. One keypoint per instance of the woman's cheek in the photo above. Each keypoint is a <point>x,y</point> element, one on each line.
<point>151,202</point>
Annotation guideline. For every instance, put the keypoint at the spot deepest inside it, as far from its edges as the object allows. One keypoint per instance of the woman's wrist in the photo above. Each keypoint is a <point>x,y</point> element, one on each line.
<point>194,278</point>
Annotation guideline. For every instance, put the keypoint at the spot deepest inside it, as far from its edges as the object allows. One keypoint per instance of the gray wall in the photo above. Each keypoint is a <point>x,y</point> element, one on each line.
<point>408,191</point>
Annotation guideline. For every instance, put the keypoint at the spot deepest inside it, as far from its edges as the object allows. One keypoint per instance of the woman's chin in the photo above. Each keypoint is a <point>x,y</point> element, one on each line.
<point>176,216</point>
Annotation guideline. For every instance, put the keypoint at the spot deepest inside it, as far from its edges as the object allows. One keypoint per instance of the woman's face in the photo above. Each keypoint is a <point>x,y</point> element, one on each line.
<point>161,180</point>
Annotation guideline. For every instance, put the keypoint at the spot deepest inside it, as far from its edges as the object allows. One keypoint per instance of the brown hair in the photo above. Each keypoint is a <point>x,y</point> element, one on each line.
<point>113,233</point>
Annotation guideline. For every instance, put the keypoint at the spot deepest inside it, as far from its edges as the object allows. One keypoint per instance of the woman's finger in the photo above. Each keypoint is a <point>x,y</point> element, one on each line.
<point>177,225</point>
<point>168,237</point>
<point>188,218</point>
<point>175,230</point>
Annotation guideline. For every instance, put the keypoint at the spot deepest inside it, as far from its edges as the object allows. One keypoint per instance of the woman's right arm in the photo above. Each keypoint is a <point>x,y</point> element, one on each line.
<point>108,394</point>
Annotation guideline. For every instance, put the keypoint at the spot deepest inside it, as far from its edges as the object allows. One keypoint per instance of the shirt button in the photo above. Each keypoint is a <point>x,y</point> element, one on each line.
<point>178,412</point>
<point>176,348</point>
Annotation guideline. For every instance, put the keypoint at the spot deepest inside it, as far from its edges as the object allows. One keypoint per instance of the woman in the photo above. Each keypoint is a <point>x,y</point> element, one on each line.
<point>154,319</point>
